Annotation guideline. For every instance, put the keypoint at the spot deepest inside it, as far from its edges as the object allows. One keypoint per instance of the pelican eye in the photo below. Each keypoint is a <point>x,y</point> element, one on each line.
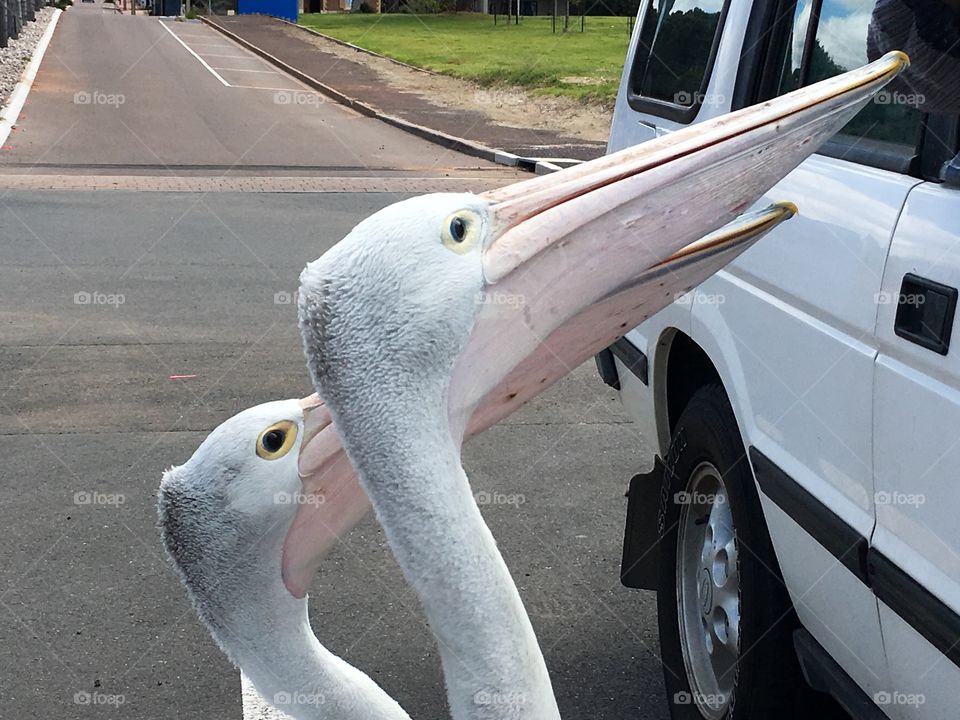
<point>460,231</point>
<point>275,441</point>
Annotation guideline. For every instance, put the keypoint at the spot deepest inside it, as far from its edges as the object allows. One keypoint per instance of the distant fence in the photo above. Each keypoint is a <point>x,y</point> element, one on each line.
<point>14,14</point>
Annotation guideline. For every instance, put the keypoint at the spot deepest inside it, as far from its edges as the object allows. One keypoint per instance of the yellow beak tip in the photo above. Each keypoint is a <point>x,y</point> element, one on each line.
<point>788,207</point>
<point>901,57</point>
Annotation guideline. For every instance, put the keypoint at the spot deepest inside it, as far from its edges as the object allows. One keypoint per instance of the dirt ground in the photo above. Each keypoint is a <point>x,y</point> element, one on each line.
<point>506,106</point>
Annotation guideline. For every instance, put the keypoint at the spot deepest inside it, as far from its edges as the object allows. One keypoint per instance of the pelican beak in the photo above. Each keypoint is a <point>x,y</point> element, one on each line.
<point>560,243</point>
<point>331,502</point>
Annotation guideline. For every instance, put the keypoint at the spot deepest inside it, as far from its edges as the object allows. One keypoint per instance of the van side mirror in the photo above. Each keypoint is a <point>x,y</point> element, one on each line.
<point>950,174</point>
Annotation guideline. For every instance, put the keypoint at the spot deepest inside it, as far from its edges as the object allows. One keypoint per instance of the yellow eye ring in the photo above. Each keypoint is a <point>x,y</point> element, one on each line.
<point>276,441</point>
<point>460,231</point>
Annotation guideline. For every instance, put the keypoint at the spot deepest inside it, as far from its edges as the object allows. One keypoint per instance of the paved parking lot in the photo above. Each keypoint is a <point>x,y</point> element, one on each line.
<point>140,94</point>
<point>234,66</point>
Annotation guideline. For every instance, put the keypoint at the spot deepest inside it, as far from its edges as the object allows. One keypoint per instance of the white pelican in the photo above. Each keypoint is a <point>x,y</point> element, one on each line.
<point>224,515</point>
<point>232,521</point>
<point>403,348</point>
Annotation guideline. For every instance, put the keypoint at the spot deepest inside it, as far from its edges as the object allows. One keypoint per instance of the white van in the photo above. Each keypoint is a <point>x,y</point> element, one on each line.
<point>804,520</point>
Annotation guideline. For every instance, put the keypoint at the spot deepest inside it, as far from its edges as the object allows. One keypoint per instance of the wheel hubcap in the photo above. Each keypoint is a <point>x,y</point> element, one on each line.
<point>708,590</point>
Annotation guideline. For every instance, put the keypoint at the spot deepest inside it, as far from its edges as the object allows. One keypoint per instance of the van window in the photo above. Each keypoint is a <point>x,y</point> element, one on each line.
<point>790,76</point>
<point>675,53</point>
<point>829,37</point>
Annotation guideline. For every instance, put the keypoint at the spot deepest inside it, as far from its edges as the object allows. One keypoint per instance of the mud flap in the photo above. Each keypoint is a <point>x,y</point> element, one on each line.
<point>641,536</point>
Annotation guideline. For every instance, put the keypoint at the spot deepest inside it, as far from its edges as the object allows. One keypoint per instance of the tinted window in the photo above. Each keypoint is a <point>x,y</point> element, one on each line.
<point>676,43</point>
<point>790,75</point>
<point>840,44</point>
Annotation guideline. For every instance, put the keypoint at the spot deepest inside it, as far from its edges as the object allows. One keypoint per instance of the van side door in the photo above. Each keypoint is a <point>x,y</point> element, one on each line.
<point>914,560</point>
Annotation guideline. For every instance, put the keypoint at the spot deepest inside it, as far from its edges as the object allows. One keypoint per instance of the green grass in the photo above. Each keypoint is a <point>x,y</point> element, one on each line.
<point>470,46</point>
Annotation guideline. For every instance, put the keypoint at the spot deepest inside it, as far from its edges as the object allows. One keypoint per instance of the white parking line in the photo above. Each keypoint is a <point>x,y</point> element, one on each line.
<point>261,87</point>
<point>266,72</point>
<point>192,52</point>
<point>234,57</point>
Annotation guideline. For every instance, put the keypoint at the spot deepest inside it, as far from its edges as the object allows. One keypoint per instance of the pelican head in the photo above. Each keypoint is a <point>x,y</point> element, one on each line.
<point>224,516</point>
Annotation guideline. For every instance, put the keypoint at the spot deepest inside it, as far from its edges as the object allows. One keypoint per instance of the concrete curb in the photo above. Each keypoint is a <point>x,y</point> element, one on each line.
<point>451,142</point>
<point>10,113</point>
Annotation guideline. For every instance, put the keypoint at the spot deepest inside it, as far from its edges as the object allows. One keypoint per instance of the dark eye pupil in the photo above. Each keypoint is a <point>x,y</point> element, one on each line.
<point>273,440</point>
<point>458,229</point>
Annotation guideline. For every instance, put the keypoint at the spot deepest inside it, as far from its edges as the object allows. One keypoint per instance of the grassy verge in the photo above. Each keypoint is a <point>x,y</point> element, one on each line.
<point>585,66</point>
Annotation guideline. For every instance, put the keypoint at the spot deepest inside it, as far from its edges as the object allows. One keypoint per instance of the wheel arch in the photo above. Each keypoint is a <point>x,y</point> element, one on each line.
<point>681,367</point>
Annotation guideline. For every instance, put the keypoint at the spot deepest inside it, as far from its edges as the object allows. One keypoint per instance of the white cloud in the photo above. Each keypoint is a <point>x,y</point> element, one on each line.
<point>709,6</point>
<point>845,38</point>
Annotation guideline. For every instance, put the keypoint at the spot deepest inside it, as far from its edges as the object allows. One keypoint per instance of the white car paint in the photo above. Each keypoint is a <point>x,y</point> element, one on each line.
<point>802,338</point>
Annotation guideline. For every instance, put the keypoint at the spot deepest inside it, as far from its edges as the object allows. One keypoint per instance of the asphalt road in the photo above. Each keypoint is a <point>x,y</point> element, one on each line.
<point>87,600</point>
<point>106,297</point>
<point>126,90</point>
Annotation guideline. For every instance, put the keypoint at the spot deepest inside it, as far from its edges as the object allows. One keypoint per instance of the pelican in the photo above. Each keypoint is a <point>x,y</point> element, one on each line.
<point>403,347</point>
<point>224,516</point>
<point>232,520</point>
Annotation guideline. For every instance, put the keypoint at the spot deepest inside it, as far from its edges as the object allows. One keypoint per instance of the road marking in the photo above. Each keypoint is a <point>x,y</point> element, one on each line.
<point>234,57</point>
<point>192,52</point>
<point>286,89</point>
<point>221,183</point>
<point>265,72</point>
<point>10,113</point>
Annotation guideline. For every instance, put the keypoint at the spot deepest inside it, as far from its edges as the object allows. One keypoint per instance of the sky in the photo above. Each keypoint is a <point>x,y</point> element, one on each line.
<point>842,32</point>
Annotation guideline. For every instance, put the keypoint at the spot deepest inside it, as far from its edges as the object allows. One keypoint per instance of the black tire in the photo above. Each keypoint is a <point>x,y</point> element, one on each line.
<point>766,678</point>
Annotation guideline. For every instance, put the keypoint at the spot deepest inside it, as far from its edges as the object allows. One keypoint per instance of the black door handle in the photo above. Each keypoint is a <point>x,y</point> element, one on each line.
<point>925,312</point>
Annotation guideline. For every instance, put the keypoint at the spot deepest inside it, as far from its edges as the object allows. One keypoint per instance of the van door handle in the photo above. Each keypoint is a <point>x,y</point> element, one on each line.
<point>925,311</point>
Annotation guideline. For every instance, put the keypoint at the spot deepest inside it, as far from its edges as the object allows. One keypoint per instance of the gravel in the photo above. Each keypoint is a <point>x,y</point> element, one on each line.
<point>14,57</point>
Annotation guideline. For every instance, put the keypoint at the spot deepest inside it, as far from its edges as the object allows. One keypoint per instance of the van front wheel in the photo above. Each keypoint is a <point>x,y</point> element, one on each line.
<point>724,614</point>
